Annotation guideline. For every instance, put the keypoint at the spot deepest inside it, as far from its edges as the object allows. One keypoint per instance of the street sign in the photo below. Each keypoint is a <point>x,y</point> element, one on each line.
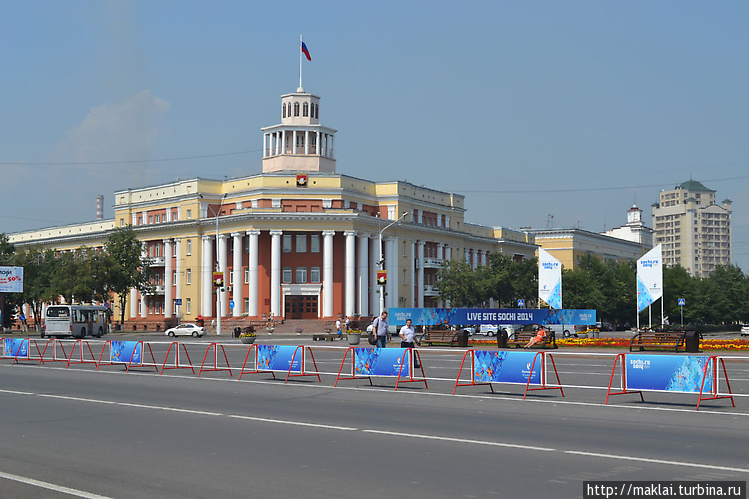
<point>521,303</point>
<point>231,304</point>
<point>682,302</point>
<point>178,301</point>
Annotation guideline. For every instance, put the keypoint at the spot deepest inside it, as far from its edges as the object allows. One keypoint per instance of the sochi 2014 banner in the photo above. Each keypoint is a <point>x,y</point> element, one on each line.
<point>278,358</point>
<point>11,279</point>
<point>497,316</point>
<point>128,352</point>
<point>505,367</point>
<point>649,278</point>
<point>549,279</point>
<point>673,373</point>
<point>16,347</point>
<point>380,362</point>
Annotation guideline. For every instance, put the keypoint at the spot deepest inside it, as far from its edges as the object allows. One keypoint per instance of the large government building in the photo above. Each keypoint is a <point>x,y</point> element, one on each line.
<point>298,240</point>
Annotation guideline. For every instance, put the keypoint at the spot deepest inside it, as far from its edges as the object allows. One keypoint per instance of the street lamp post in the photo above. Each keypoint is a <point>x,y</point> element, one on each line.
<point>381,263</point>
<point>218,290</point>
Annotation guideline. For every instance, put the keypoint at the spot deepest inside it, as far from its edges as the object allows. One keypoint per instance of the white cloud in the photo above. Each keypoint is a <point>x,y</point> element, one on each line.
<point>115,132</point>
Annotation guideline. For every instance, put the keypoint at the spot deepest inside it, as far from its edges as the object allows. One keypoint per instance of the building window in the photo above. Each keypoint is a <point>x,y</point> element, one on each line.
<point>188,307</point>
<point>296,109</point>
<point>283,111</point>
<point>286,278</point>
<point>305,109</point>
<point>140,220</point>
<point>301,275</point>
<point>404,276</point>
<point>122,222</point>
<point>231,277</point>
<point>287,243</point>
<point>317,111</point>
<point>150,219</point>
<point>314,243</point>
<point>174,250</point>
<point>188,277</point>
<point>189,214</point>
<point>157,219</point>
<point>175,216</point>
<point>246,305</point>
<point>174,277</point>
<point>247,275</point>
<point>314,274</point>
<point>189,247</point>
<point>301,243</point>
<point>404,248</point>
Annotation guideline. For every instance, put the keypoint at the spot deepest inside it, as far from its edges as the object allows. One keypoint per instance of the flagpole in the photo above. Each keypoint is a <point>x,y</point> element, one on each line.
<point>300,63</point>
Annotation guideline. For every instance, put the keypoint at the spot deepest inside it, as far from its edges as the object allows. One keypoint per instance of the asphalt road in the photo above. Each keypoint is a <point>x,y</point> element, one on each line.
<point>85,433</point>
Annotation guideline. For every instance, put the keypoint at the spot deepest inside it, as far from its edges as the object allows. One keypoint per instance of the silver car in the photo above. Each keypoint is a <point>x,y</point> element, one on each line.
<point>186,329</point>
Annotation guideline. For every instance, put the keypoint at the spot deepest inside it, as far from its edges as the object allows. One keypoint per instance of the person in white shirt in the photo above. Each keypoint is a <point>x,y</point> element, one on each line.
<point>407,337</point>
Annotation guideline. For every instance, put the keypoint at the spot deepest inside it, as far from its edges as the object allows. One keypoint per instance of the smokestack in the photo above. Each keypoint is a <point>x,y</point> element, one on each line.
<point>100,207</point>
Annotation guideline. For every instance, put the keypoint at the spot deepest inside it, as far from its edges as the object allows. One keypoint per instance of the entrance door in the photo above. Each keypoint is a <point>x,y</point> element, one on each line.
<point>301,307</point>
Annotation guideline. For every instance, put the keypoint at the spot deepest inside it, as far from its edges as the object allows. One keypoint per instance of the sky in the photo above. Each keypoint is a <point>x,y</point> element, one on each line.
<point>544,114</point>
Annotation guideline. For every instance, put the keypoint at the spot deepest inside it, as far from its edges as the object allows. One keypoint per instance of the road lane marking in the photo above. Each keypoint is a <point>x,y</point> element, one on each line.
<point>461,440</point>
<point>657,461</point>
<point>51,486</point>
<point>294,423</point>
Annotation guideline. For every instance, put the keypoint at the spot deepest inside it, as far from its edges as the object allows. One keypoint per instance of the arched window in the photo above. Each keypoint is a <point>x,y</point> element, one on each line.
<point>317,110</point>
<point>296,109</point>
<point>305,110</point>
<point>284,109</point>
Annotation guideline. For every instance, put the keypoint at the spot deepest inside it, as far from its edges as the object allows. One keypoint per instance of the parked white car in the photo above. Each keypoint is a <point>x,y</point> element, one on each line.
<point>745,330</point>
<point>186,329</point>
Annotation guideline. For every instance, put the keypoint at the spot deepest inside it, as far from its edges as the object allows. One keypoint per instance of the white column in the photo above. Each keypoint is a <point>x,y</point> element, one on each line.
<point>363,278</point>
<point>283,141</point>
<point>327,273</point>
<point>374,298</point>
<point>143,308</point>
<point>168,302</point>
<point>350,277</point>
<point>252,265</point>
<point>467,256</point>
<point>448,252</point>
<point>293,142</point>
<point>318,146</point>
<point>412,286</point>
<point>420,275</point>
<point>275,272</point>
<point>238,273</point>
<point>133,303</point>
<point>306,142</point>
<point>222,268</point>
<point>206,277</point>
<point>178,280</point>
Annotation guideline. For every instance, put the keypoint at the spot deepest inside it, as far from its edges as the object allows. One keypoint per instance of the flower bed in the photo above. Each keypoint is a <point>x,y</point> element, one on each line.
<point>705,345</point>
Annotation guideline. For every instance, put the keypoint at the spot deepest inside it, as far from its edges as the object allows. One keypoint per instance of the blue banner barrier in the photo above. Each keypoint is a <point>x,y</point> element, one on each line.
<point>669,373</point>
<point>126,352</point>
<point>280,358</point>
<point>16,348</point>
<point>492,366</point>
<point>385,362</point>
<point>497,316</point>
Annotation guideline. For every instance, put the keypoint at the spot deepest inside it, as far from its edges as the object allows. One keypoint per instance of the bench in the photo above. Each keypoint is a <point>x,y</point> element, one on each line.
<point>328,336</point>
<point>442,337</point>
<point>658,340</point>
<point>521,338</point>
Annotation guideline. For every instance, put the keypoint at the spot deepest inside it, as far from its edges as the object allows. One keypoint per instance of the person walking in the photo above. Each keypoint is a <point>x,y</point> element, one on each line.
<point>380,326</point>
<point>407,337</point>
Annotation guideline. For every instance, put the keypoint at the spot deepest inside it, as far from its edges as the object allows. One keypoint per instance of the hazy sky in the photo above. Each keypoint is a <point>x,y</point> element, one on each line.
<point>570,109</point>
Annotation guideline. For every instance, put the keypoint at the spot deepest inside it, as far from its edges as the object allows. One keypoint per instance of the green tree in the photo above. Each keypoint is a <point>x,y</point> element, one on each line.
<point>37,290</point>
<point>127,267</point>
<point>457,283</point>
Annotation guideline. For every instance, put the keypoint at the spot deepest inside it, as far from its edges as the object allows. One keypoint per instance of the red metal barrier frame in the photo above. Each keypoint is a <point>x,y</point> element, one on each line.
<point>82,360</point>
<point>176,358</point>
<point>543,386</point>
<point>410,352</point>
<point>353,374</point>
<point>623,380</point>
<point>54,342</point>
<point>473,371</point>
<point>256,371</point>
<point>714,360</point>
<point>303,364</point>
<point>215,360</point>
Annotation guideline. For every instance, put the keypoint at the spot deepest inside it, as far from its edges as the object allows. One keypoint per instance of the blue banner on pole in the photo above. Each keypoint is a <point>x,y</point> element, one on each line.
<point>380,362</point>
<point>498,316</point>
<point>278,358</point>
<point>128,352</point>
<point>672,373</point>
<point>16,347</point>
<point>505,367</point>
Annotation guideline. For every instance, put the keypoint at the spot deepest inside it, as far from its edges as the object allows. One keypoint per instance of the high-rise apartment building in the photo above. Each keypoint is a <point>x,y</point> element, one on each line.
<point>694,231</point>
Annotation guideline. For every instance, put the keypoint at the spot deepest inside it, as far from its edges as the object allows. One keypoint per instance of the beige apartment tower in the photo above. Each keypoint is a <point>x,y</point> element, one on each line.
<point>694,231</point>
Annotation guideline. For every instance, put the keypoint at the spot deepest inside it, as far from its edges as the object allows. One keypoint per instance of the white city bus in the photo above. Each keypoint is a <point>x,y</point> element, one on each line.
<point>77,321</point>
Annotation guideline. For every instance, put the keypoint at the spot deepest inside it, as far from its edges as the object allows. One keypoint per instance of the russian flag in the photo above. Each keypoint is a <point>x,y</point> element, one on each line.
<point>306,52</point>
